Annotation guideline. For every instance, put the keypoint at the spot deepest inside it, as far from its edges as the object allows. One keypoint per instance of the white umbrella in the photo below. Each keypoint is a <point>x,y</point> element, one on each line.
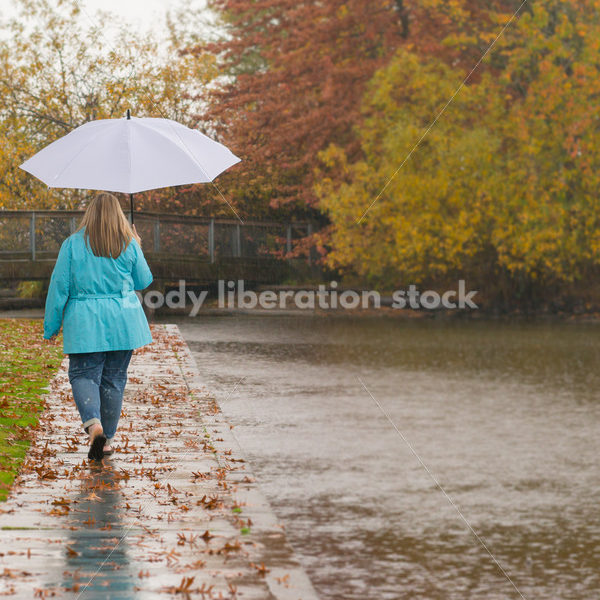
<point>130,155</point>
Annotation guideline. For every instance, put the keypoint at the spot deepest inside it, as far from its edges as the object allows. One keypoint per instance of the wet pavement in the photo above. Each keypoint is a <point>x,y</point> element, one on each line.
<point>174,512</point>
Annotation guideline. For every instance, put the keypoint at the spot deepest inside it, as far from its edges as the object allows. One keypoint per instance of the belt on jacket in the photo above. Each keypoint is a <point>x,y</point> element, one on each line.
<point>121,294</point>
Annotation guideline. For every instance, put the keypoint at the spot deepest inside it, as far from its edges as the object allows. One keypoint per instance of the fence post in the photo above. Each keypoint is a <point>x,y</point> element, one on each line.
<point>238,242</point>
<point>288,239</point>
<point>157,235</point>
<point>211,240</point>
<point>72,225</point>
<point>32,235</point>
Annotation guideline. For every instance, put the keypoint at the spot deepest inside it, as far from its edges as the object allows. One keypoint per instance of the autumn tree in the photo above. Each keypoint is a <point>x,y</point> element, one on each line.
<point>58,70</point>
<point>503,189</point>
<point>432,218</point>
<point>295,75</point>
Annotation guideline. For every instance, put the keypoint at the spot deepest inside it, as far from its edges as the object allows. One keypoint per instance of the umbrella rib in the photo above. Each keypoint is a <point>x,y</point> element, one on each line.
<point>130,178</point>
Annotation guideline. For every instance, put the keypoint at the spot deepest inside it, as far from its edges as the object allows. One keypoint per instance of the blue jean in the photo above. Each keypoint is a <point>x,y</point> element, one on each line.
<point>98,381</point>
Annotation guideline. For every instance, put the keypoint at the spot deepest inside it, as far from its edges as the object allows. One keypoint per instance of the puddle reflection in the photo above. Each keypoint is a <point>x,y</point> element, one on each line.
<point>97,528</point>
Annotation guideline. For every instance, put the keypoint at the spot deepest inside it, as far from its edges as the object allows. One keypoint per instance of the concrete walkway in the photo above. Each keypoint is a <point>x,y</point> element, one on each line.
<point>174,512</point>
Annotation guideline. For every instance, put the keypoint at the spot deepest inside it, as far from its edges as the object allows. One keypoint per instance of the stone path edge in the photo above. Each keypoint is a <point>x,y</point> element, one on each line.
<point>257,506</point>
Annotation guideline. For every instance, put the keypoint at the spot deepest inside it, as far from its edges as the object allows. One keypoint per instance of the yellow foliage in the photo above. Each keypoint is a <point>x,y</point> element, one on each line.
<point>505,182</point>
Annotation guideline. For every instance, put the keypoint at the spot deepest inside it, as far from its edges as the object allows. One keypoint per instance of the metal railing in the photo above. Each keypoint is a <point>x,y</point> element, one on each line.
<point>38,235</point>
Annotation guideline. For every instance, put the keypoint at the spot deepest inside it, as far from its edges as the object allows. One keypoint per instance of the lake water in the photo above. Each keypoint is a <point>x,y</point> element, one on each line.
<point>505,416</point>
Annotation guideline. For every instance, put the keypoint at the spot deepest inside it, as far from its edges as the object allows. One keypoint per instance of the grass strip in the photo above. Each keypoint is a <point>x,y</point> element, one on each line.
<point>27,364</point>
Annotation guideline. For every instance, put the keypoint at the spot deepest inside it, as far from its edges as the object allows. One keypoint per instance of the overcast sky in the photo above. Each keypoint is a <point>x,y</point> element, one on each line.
<point>138,14</point>
<point>133,11</point>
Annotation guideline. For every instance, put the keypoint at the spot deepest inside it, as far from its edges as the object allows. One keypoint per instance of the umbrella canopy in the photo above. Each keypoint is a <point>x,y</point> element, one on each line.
<point>130,155</point>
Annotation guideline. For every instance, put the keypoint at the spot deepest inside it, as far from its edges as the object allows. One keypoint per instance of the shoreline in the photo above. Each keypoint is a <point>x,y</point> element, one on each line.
<point>382,312</point>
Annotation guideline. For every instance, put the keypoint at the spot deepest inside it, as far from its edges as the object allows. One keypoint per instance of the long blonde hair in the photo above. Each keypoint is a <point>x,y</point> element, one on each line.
<point>107,230</point>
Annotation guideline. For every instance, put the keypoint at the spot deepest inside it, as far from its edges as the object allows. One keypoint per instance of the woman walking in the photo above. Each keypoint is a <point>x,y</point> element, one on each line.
<point>92,295</point>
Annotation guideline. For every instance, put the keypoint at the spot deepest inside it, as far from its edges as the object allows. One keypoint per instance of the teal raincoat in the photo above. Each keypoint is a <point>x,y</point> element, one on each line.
<point>93,298</point>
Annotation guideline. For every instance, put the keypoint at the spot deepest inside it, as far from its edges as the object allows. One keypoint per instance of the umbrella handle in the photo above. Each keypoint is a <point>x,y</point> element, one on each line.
<point>130,195</point>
